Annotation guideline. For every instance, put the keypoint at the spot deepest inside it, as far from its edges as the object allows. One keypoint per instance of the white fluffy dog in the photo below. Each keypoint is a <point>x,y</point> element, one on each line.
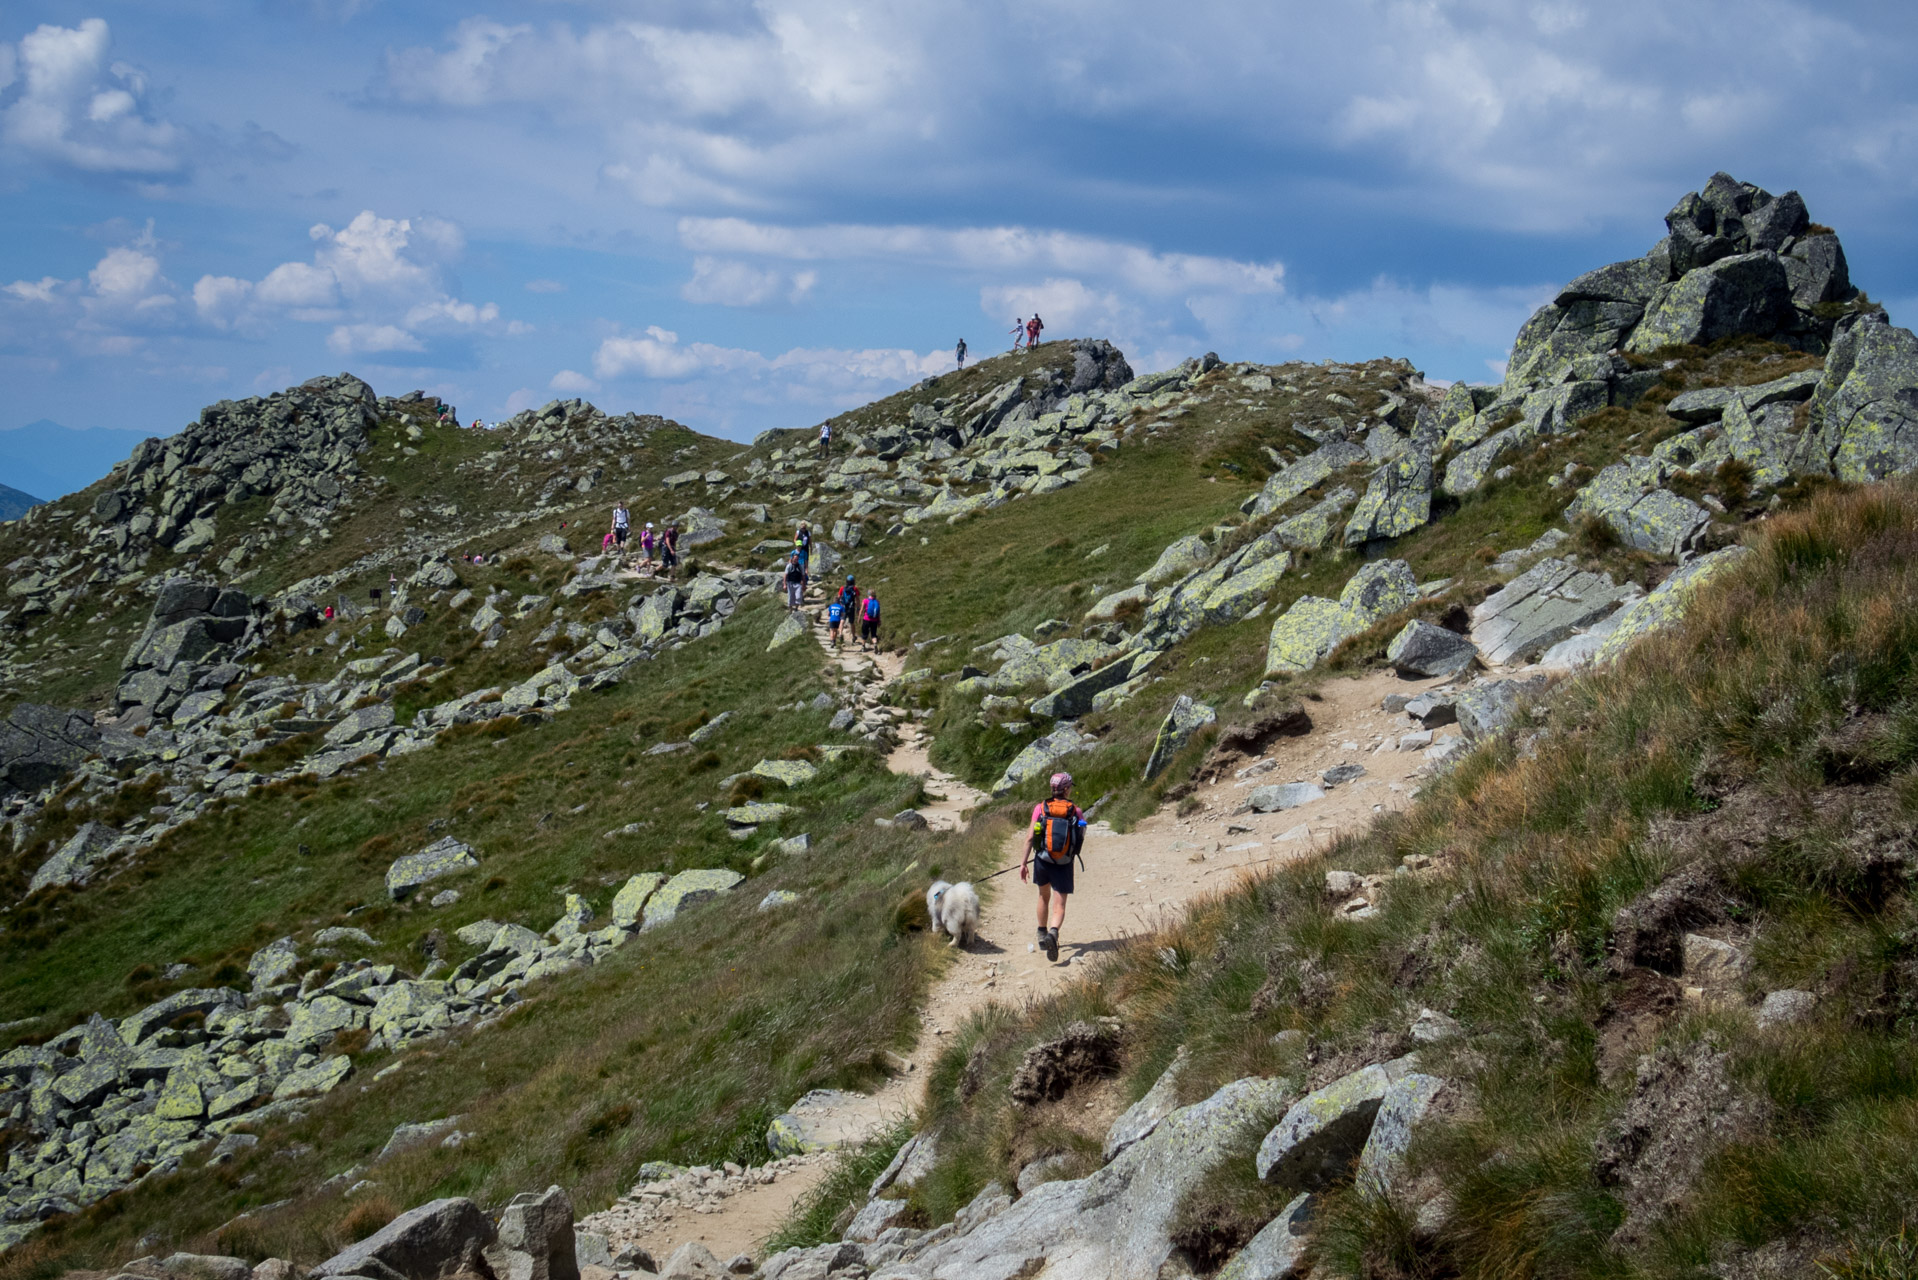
<point>954,909</point>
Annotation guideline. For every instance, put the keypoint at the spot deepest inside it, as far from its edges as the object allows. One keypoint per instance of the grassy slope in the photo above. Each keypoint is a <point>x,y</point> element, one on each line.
<point>681,1046</point>
<point>1785,711</point>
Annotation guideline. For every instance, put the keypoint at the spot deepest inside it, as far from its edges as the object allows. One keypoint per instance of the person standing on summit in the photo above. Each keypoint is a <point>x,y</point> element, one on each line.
<point>1034,327</point>
<point>962,353</point>
<point>1018,332</point>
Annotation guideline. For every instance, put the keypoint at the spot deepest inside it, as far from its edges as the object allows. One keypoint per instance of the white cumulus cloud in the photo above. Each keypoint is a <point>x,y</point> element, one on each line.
<point>76,109</point>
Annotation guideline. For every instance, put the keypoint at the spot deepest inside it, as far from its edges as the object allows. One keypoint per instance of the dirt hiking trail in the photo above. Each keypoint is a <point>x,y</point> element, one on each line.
<point>1130,884</point>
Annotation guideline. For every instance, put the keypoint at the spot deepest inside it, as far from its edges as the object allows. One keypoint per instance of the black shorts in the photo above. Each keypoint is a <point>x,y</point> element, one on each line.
<point>668,557</point>
<point>1056,875</point>
<point>619,536</point>
<point>869,628</point>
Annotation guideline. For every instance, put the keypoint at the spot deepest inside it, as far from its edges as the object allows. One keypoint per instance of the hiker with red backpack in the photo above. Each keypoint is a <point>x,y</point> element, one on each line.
<point>1058,834</point>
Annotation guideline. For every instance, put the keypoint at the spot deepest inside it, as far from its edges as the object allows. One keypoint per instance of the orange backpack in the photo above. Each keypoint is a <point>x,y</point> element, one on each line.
<point>1058,829</point>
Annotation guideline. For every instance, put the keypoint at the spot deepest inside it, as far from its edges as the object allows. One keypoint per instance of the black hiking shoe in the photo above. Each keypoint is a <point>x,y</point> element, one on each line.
<point>1052,945</point>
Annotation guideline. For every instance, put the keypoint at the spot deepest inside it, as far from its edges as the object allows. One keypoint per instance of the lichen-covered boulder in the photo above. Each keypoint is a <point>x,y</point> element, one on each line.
<point>75,860</point>
<point>1863,419</point>
<point>1666,605</point>
<point>654,617</point>
<point>1308,472</point>
<point>1177,560</point>
<point>1380,587</point>
<point>1303,635</point>
<point>444,857</point>
<point>1107,607</point>
<point>1072,700</point>
<point>1312,626</point>
<point>1248,585</point>
<point>1644,517</point>
<point>1054,665</point>
<point>322,1077</point>
<point>1745,293</point>
<point>1040,755</point>
<point>1397,501</point>
<point>1405,1104</point>
<point>1308,530</point>
<point>687,889</point>
<point>630,901</point>
<point>1185,718</point>
<point>1278,796</point>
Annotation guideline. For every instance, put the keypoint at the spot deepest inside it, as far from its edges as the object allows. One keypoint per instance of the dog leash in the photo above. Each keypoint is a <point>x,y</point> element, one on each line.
<point>1082,860</point>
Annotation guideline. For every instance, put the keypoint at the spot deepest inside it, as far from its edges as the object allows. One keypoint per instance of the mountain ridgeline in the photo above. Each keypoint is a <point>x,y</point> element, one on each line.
<point>379,851</point>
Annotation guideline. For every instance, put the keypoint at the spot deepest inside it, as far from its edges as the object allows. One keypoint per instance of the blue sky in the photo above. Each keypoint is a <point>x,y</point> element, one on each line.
<point>749,215</point>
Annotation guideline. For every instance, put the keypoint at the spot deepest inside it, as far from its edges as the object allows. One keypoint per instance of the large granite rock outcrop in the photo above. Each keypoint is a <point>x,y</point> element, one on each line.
<point>1737,260</point>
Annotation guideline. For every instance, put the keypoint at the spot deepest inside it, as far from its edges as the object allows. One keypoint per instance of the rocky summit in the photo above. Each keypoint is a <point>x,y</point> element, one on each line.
<point>402,878</point>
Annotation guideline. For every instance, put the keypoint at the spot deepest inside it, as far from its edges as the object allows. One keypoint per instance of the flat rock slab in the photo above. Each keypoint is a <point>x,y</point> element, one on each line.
<point>823,1120</point>
<point>751,815</point>
<point>1540,607</point>
<point>1281,796</point>
<point>790,772</point>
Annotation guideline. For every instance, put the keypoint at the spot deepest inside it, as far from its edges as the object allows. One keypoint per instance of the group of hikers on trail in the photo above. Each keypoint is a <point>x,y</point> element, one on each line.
<point>665,543</point>
<point>1026,331</point>
<point>848,605</point>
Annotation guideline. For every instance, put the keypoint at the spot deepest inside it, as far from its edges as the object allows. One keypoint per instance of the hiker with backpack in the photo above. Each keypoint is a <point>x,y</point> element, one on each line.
<point>1034,327</point>
<point>1058,834</point>
<point>802,546</point>
<point>869,623</point>
<point>646,539</point>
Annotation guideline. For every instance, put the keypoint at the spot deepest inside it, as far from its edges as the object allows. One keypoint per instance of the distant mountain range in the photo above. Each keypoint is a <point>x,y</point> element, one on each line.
<point>14,504</point>
<point>46,458</point>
